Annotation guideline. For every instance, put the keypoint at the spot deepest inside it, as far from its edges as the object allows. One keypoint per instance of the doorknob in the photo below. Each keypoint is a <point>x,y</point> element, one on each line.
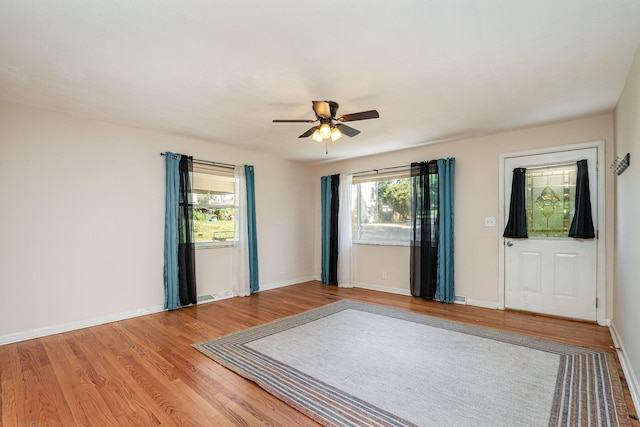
<point>509,243</point>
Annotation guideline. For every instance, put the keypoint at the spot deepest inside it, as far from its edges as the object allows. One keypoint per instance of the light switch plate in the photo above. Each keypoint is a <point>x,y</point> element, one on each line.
<point>490,221</point>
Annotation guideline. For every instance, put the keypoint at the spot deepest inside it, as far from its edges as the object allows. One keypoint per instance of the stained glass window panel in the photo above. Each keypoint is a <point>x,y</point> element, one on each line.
<point>550,199</point>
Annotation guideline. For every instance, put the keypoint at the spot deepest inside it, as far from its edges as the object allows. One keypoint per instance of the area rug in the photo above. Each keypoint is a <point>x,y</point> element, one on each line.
<point>356,364</point>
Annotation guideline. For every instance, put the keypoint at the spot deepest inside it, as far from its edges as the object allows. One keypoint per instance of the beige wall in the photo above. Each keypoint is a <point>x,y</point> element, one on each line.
<point>626,311</point>
<point>476,197</point>
<point>76,249</point>
<point>82,221</point>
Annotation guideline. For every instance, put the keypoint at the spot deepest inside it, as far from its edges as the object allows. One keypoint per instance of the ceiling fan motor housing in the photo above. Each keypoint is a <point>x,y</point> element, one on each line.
<point>325,109</point>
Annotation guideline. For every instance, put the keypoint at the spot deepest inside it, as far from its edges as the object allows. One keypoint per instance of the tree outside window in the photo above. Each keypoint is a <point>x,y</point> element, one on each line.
<point>382,209</point>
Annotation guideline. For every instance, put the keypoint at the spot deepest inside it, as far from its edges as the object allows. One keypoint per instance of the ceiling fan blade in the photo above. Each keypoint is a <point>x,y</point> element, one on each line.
<point>294,121</point>
<point>347,130</point>
<point>309,132</point>
<point>364,115</point>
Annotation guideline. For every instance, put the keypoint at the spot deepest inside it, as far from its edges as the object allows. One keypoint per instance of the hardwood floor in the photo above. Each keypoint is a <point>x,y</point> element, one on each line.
<point>144,372</point>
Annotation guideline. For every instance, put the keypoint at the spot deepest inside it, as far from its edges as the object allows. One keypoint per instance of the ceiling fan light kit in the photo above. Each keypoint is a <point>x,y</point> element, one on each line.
<point>335,134</point>
<point>325,112</point>
<point>317,136</point>
<point>325,130</point>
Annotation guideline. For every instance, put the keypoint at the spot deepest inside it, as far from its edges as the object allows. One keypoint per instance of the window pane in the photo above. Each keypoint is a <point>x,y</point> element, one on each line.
<point>382,210</point>
<point>550,200</point>
<point>214,202</point>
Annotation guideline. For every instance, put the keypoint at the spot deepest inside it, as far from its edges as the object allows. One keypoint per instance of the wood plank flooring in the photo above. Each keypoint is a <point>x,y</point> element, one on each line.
<point>144,372</point>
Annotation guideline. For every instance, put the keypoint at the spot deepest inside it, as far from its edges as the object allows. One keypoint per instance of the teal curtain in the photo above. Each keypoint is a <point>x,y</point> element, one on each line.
<point>171,280</point>
<point>179,247</point>
<point>252,235</point>
<point>325,196</point>
<point>431,263</point>
<point>330,201</point>
<point>445,280</point>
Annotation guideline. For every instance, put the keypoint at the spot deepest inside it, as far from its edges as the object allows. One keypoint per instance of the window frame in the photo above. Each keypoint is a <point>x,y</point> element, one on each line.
<point>217,171</point>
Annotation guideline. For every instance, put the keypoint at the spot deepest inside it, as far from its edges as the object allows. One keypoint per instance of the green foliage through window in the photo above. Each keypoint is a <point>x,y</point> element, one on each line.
<point>396,194</point>
<point>382,210</point>
<point>213,208</point>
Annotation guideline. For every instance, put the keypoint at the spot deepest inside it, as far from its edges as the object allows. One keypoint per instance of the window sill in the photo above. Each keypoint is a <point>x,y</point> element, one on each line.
<point>214,245</point>
<point>381,242</point>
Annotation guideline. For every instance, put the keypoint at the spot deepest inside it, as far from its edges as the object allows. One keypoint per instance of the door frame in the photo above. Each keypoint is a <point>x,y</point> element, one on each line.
<point>601,291</point>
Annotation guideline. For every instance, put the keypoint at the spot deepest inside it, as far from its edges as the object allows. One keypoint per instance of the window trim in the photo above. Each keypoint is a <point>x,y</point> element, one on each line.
<point>379,242</point>
<point>214,244</point>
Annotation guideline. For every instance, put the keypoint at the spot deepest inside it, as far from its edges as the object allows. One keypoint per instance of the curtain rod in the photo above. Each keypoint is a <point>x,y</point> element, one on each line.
<point>209,162</point>
<point>382,169</point>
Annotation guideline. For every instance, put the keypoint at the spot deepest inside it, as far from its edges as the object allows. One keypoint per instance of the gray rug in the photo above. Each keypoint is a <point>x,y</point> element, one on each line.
<point>354,364</point>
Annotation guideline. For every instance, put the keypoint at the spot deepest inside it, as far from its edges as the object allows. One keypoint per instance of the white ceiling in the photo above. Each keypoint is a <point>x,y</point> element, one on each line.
<point>434,69</point>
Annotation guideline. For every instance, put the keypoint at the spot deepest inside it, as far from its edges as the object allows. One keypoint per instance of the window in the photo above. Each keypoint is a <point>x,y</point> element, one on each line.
<point>382,204</point>
<point>551,193</point>
<point>213,205</point>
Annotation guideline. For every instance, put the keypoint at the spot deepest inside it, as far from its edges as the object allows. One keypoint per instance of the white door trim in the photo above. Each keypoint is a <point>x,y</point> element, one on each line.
<point>601,291</point>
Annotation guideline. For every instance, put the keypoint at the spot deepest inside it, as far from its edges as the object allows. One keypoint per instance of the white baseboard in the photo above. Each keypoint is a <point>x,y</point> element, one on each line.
<point>95,321</point>
<point>407,292</point>
<point>605,322</point>
<point>629,374</point>
<point>207,298</point>
<point>482,304</point>
<point>381,288</point>
<point>286,283</point>
<point>72,326</point>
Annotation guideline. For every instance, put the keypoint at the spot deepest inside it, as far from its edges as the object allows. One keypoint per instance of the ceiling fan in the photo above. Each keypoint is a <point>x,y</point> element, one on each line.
<point>325,112</point>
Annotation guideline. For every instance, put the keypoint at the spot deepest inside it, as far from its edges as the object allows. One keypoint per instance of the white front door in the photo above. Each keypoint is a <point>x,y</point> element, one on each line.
<point>550,272</point>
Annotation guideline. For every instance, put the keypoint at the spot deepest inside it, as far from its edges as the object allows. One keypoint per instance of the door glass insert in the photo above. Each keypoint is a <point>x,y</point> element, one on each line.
<point>550,200</point>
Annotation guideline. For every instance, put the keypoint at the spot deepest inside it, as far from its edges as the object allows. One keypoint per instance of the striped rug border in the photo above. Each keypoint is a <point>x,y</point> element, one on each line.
<point>588,390</point>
